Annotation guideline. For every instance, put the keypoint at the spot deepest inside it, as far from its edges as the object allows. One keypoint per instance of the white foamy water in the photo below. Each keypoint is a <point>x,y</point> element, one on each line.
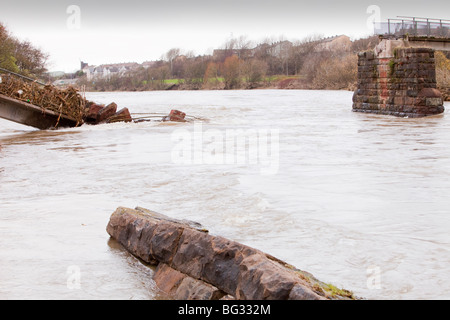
<point>358,200</point>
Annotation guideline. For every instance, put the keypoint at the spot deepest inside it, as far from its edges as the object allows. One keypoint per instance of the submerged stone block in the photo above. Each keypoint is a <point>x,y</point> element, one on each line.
<point>106,112</point>
<point>122,115</point>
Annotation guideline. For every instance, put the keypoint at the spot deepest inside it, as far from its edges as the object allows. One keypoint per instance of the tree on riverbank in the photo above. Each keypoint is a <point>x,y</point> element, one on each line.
<point>231,72</point>
<point>20,56</point>
<point>7,60</point>
<point>337,73</point>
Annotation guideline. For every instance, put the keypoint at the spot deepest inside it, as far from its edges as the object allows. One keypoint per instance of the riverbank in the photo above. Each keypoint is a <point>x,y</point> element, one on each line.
<point>269,83</point>
<point>285,84</point>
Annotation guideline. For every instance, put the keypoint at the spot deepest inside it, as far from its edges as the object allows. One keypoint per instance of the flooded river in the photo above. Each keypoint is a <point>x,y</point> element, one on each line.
<point>360,201</point>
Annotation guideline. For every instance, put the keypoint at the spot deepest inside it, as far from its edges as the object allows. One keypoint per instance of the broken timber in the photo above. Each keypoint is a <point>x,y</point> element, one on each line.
<point>31,115</point>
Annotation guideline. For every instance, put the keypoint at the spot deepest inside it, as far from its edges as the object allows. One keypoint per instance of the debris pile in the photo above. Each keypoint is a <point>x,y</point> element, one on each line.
<point>67,102</point>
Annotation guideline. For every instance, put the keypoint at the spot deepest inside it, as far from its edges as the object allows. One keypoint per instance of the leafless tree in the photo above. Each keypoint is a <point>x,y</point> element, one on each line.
<point>170,57</point>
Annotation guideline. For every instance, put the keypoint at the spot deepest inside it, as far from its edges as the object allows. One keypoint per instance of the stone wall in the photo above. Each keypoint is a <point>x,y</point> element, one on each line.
<point>403,85</point>
<point>194,265</point>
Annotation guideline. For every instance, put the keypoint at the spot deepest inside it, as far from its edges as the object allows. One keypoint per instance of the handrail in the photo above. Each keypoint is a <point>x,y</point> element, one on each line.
<point>415,18</point>
<point>22,76</point>
<point>421,27</point>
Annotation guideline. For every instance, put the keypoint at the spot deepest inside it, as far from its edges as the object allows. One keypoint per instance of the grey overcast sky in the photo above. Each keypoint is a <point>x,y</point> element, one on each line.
<point>136,31</point>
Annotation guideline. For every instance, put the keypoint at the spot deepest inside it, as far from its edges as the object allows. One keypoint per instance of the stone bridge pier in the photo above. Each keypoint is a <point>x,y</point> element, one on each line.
<point>397,80</point>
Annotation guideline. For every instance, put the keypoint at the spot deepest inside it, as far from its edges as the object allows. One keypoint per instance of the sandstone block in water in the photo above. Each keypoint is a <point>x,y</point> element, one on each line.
<point>194,247</point>
<point>165,241</point>
<point>180,286</point>
<point>214,259</point>
<point>107,112</point>
<point>168,279</point>
<point>175,115</point>
<point>226,257</point>
<point>193,289</point>
<point>192,264</point>
<point>122,115</point>
<point>92,112</point>
<point>264,279</point>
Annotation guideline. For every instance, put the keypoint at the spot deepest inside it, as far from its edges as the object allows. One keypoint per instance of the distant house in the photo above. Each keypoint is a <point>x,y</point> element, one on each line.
<point>336,43</point>
<point>106,71</point>
<point>281,48</point>
<point>148,64</point>
<point>222,54</point>
<point>278,48</point>
<point>275,49</point>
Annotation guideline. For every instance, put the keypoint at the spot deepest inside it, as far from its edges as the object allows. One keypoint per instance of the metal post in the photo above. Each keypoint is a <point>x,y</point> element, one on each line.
<point>21,76</point>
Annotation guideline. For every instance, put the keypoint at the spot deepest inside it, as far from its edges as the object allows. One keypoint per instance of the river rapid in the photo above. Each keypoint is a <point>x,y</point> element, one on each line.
<point>358,200</point>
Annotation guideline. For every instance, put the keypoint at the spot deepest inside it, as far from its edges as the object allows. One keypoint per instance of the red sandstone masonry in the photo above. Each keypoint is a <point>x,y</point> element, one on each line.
<point>192,264</point>
<point>403,86</point>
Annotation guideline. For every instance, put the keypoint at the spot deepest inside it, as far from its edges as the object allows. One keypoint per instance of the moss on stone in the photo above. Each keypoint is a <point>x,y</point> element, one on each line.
<point>391,65</point>
<point>326,289</point>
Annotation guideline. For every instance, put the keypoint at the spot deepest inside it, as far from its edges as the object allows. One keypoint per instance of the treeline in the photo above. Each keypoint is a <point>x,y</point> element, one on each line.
<point>21,56</point>
<point>311,63</point>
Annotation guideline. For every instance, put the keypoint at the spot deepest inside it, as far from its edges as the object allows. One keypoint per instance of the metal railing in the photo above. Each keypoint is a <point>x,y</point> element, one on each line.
<point>413,27</point>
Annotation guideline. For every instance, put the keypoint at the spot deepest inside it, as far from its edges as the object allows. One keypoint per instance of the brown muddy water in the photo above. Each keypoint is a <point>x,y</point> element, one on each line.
<point>361,201</point>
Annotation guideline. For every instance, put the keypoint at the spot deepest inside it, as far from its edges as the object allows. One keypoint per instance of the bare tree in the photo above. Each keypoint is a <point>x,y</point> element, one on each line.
<point>254,71</point>
<point>195,69</point>
<point>170,56</point>
<point>243,47</point>
<point>231,72</point>
<point>337,73</point>
<point>302,51</point>
<point>364,44</point>
<point>30,60</point>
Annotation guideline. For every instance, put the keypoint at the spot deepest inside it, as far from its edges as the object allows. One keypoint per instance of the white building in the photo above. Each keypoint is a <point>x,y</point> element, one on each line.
<point>106,71</point>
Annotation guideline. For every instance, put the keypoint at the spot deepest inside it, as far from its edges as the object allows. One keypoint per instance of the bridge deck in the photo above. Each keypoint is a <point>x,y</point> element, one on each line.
<point>413,27</point>
<point>31,115</point>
